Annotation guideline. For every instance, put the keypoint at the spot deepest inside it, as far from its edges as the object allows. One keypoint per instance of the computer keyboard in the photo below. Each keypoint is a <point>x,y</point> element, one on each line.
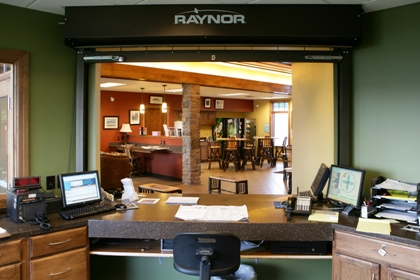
<point>88,210</point>
<point>305,193</point>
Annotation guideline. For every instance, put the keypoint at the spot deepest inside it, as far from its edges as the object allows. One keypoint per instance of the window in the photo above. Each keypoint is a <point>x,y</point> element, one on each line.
<point>280,122</point>
<point>6,122</point>
<point>15,99</point>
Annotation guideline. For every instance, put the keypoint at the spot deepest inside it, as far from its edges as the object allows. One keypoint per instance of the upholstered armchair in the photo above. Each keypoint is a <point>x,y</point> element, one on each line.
<point>114,167</point>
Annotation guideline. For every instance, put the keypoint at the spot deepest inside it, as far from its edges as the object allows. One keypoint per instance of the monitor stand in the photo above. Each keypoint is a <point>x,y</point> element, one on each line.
<point>347,210</point>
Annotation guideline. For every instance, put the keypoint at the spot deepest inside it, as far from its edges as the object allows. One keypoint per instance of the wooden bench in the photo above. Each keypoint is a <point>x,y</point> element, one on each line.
<point>215,183</point>
<point>151,188</point>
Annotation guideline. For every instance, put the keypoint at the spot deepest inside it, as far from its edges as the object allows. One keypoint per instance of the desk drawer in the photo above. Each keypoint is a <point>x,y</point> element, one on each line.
<point>57,242</point>
<point>11,272</point>
<point>399,255</point>
<point>69,265</point>
<point>10,252</point>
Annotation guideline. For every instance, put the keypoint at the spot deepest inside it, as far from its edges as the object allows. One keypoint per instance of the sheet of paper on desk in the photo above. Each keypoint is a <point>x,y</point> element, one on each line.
<point>213,213</point>
<point>148,201</point>
<point>3,233</point>
<point>374,226</point>
<point>182,200</point>
<point>323,216</point>
<point>391,184</point>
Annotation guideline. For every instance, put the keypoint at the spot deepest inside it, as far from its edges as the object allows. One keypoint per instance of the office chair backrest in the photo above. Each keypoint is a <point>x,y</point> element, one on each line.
<point>206,253</point>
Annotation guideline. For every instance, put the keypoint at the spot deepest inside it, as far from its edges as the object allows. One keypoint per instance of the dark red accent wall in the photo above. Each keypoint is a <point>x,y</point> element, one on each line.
<point>125,101</point>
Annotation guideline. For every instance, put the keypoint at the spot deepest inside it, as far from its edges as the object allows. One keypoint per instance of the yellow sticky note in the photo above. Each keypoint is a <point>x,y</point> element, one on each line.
<point>374,226</point>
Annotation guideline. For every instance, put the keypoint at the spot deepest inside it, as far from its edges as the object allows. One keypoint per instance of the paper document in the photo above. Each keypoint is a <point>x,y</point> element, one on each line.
<point>182,200</point>
<point>213,213</point>
<point>148,201</point>
<point>399,205</point>
<point>391,184</point>
<point>397,215</point>
<point>374,226</point>
<point>323,216</point>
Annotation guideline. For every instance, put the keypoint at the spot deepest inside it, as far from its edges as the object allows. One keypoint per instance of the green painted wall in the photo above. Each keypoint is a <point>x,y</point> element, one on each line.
<point>138,268</point>
<point>386,87</point>
<point>385,115</point>
<point>51,86</point>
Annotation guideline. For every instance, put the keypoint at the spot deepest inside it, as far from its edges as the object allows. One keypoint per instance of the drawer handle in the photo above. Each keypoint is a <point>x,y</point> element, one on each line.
<point>58,243</point>
<point>60,273</point>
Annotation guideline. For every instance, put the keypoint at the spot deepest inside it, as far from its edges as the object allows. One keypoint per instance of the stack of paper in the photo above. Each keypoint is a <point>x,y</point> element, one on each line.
<point>213,213</point>
<point>323,216</point>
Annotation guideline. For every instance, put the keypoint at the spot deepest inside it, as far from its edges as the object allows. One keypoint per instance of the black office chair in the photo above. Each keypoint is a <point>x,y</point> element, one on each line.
<point>206,253</point>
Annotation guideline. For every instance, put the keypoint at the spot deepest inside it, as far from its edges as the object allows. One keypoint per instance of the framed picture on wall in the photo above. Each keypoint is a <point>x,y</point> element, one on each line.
<point>207,103</point>
<point>111,122</point>
<point>134,116</point>
<point>156,99</point>
<point>219,104</point>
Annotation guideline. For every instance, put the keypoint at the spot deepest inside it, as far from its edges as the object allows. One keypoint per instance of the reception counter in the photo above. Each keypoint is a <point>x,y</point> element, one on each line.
<point>158,155</point>
<point>137,233</point>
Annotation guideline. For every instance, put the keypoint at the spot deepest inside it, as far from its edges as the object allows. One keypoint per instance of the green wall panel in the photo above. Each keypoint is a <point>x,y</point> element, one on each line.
<point>138,268</point>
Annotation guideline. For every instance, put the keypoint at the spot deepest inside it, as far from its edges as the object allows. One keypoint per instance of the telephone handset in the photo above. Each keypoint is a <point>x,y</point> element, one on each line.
<point>298,205</point>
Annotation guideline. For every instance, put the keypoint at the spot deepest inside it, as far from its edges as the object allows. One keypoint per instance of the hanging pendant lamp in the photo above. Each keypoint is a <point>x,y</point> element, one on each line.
<point>142,108</point>
<point>164,104</point>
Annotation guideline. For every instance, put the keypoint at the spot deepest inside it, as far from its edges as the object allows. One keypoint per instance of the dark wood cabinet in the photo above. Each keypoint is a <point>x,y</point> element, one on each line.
<point>360,257</point>
<point>207,118</point>
<point>204,150</point>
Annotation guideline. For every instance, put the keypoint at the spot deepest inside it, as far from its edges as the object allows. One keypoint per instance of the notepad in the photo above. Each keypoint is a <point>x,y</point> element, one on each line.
<point>182,200</point>
<point>323,216</point>
<point>374,226</point>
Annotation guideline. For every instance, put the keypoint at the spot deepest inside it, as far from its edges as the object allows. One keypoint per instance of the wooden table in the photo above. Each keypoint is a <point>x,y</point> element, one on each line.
<point>215,183</point>
<point>152,188</point>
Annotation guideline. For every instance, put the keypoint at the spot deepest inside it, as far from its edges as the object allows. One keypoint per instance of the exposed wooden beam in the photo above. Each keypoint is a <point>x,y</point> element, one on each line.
<point>130,72</point>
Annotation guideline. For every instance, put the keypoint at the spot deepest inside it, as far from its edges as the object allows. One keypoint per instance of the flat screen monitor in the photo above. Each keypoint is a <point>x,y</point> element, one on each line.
<point>80,188</point>
<point>345,187</point>
<point>320,180</point>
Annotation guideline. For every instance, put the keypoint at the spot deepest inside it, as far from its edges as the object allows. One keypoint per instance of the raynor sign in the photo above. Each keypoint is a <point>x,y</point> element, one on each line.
<point>208,16</point>
<point>163,25</point>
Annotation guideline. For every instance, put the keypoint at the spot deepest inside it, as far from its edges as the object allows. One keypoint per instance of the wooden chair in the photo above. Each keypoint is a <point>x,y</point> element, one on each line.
<point>135,161</point>
<point>215,153</point>
<point>231,153</point>
<point>266,151</point>
<point>287,167</point>
<point>248,154</point>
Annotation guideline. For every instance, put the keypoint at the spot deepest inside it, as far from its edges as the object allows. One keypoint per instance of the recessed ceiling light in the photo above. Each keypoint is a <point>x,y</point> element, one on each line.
<point>233,94</point>
<point>109,84</point>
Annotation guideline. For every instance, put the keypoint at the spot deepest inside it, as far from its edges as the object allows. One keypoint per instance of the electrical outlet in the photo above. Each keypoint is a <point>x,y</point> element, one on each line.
<point>50,182</point>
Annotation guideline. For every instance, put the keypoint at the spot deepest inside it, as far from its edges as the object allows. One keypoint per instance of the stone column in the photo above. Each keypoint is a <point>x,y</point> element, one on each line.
<point>191,134</point>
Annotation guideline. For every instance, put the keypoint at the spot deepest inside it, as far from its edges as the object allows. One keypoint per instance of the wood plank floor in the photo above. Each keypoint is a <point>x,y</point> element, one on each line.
<point>262,180</point>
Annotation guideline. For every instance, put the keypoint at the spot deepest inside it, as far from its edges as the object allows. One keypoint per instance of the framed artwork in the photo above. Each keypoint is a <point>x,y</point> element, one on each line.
<point>219,104</point>
<point>111,123</point>
<point>156,99</point>
<point>207,103</point>
<point>134,116</point>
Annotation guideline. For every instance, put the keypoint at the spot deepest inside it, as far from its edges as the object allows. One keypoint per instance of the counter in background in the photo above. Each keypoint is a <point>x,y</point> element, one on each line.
<point>158,155</point>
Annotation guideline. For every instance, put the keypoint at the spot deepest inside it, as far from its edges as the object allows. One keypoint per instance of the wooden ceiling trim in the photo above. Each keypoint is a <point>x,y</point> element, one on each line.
<point>130,72</point>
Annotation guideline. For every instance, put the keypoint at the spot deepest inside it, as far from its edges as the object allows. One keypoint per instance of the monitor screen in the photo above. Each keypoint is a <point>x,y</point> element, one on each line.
<point>320,180</point>
<point>80,188</point>
<point>345,186</point>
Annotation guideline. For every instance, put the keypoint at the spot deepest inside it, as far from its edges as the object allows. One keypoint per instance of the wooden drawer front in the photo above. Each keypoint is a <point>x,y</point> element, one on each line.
<point>399,255</point>
<point>10,272</point>
<point>69,265</point>
<point>10,252</point>
<point>57,242</point>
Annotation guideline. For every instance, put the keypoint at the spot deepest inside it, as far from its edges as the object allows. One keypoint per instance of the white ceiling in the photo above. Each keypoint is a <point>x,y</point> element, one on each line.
<point>57,6</point>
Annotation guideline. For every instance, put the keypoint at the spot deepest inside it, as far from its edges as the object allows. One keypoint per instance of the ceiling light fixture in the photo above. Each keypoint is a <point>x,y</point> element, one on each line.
<point>164,104</point>
<point>110,84</point>
<point>142,108</point>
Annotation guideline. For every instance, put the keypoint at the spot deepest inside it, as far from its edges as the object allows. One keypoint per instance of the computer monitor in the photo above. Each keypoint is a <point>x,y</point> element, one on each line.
<point>320,180</point>
<point>345,187</point>
<point>80,188</point>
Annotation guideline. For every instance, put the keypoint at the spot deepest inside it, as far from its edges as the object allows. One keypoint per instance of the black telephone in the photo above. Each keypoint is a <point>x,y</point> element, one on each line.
<point>298,205</point>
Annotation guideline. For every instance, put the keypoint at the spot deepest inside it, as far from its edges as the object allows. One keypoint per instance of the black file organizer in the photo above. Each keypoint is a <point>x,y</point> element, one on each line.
<point>377,200</point>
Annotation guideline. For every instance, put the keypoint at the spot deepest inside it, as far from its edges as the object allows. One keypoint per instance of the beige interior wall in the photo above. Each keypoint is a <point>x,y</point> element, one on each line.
<point>312,121</point>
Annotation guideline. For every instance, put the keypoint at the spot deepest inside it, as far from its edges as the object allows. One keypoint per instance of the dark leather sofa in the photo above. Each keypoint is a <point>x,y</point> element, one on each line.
<point>114,167</point>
